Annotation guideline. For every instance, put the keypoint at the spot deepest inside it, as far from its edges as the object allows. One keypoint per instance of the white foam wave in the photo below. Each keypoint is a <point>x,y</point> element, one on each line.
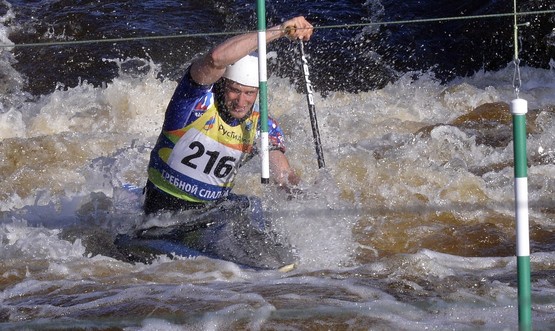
<point>114,125</point>
<point>24,242</point>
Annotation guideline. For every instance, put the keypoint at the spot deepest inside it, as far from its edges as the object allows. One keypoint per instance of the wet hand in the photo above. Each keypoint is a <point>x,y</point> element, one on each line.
<point>297,28</point>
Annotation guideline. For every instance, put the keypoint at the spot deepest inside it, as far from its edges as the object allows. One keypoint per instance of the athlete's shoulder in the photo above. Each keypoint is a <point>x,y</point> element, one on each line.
<point>188,88</point>
<point>189,102</point>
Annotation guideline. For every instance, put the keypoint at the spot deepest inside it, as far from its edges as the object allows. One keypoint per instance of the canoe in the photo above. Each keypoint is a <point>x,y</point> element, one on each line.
<point>234,231</point>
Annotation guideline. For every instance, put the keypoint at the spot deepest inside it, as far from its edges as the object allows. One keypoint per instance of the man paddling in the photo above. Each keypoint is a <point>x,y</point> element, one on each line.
<point>211,124</point>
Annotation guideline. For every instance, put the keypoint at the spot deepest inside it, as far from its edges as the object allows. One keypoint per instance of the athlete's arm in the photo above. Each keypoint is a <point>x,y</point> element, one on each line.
<point>280,170</point>
<point>209,68</point>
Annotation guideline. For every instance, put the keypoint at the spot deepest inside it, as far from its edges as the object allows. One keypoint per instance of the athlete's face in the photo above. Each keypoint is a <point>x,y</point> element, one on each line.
<point>239,99</point>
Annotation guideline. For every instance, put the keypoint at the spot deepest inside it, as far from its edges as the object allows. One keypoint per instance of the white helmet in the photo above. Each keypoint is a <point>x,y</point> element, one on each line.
<point>244,71</point>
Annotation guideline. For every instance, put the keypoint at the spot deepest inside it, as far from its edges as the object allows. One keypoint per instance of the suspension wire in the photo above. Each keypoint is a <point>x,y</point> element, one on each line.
<point>517,82</point>
<point>118,40</point>
<point>339,26</point>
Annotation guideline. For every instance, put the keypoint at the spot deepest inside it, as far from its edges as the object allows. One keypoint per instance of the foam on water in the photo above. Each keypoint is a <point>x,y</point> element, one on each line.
<point>22,240</point>
<point>103,135</point>
<point>399,186</point>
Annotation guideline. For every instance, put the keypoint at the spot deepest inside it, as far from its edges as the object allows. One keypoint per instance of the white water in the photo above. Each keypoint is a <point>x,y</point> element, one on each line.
<point>369,230</point>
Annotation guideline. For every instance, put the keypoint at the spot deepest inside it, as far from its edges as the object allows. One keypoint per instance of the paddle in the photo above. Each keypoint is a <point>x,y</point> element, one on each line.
<point>312,109</point>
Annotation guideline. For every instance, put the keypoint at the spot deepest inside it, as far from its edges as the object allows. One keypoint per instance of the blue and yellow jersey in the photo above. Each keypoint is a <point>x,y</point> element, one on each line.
<point>197,154</point>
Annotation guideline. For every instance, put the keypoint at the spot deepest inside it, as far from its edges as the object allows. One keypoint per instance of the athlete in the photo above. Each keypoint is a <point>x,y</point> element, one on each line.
<point>211,125</point>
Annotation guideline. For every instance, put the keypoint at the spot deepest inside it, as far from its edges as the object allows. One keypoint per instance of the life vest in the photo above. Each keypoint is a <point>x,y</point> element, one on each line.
<point>200,161</point>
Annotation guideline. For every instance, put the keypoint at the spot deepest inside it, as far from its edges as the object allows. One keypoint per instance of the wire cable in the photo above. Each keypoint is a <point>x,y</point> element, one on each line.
<point>339,26</point>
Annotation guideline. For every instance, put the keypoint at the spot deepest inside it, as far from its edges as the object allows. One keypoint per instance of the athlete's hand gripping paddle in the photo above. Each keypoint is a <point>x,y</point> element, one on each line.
<point>311,109</point>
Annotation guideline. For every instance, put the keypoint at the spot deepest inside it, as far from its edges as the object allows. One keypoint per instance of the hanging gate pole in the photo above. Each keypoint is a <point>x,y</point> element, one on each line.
<point>263,91</point>
<point>519,108</point>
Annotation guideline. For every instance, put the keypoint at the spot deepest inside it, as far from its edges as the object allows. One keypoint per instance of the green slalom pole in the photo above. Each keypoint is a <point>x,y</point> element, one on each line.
<point>519,108</point>
<point>263,91</point>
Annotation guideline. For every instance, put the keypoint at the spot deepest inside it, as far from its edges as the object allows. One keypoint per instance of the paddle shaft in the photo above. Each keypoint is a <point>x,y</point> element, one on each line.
<point>312,109</point>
